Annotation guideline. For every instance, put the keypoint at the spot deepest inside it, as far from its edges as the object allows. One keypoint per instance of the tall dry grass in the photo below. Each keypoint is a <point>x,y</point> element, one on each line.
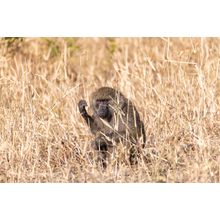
<point>173,82</point>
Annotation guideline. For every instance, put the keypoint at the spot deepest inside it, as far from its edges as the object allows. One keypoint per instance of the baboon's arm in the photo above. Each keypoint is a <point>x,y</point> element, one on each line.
<point>88,119</point>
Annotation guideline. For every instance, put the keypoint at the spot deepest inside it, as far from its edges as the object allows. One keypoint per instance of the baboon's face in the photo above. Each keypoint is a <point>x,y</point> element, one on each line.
<point>102,108</point>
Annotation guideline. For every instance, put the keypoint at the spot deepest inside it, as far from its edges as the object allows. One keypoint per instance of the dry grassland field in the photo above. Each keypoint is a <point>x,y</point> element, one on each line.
<point>173,82</point>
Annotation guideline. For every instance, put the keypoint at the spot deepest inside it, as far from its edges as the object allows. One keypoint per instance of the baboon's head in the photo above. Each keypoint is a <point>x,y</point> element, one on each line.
<point>106,101</point>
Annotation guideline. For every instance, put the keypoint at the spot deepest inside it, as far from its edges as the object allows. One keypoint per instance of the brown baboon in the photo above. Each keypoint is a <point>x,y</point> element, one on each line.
<point>115,119</point>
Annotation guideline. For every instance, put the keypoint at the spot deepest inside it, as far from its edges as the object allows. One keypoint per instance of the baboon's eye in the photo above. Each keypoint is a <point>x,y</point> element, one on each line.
<point>105,101</point>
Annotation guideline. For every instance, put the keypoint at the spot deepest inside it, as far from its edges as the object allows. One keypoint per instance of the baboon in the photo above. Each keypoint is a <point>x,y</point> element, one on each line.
<point>115,119</point>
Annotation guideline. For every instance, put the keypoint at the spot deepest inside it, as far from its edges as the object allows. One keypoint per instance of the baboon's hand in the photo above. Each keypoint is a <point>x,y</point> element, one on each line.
<point>82,106</point>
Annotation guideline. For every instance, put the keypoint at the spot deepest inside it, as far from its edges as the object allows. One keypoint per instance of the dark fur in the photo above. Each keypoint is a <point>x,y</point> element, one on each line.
<point>111,108</point>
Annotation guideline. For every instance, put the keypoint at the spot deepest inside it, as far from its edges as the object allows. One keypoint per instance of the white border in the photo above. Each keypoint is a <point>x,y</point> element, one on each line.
<point>109,18</point>
<point>109,201</point>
